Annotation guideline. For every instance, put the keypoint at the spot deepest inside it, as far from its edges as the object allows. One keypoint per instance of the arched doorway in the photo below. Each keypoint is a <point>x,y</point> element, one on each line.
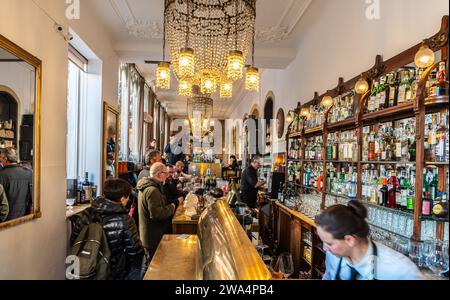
<point>9,111</point>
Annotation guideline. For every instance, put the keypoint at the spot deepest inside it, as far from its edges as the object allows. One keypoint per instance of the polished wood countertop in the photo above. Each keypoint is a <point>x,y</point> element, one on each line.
<point>297,214</point>
<point>176,258</point>
<point>181,218</point>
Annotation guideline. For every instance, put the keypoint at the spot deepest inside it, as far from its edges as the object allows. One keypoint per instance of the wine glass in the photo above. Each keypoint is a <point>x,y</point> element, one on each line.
<point>437,258</point>
<point>414,252</point>
<point>274,267</point>
<point>286,265</point>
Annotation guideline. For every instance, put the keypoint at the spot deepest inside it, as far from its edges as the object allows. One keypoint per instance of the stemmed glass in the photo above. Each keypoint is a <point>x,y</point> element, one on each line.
<point>286,265</point>
<point>437,256</point>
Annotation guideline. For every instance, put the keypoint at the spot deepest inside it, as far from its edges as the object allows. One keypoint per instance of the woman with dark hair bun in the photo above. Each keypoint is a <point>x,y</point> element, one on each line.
<point>350,252</point>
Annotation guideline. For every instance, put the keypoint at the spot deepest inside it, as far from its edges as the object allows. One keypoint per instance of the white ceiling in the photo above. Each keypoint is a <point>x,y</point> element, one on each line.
<point>135,28</point>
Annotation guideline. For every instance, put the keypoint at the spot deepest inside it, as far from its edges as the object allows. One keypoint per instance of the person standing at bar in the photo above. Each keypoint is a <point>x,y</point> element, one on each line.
<point>250,183</point>
<point>174,151</point>
<point>155,212</point>
<point>151,157</point>
<point>350,252</point>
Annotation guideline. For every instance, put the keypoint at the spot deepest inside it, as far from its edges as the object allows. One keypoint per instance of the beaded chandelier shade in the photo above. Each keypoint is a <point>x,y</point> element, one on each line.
<point>200,110</point>
<point>215,30</point>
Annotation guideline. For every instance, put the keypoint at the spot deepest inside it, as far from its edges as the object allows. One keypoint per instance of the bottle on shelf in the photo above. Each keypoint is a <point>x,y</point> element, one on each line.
<point>393,89</point>
<point>392,190</point>
<point>441,149</point>
<point>440,86</point>
<point>440,209</point>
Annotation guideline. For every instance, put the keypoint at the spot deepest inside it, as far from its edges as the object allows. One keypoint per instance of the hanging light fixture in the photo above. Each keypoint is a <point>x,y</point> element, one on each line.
<point>226,89</point>
<point>163,75</point>
<point>200,36</point>
<point>235,59</point>
<point>208,84</point>
<point>424,57</point>
<point>252,76</point>
<point>361,86</point>
<point>163,68</point>
<point>184,87</point>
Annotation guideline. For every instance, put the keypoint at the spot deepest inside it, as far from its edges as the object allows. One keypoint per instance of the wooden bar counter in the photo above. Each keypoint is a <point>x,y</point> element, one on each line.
<point>175,259</point>
<point>183,224</point>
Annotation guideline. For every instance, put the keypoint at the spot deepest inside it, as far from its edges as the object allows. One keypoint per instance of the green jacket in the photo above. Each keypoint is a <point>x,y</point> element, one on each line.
<point>4,207</point>
<point>155,214</point>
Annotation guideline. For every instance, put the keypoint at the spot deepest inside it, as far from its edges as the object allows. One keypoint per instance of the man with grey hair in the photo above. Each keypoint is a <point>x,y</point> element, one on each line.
<point>17,182</point>
<point>155,213</point>
<point>151,156</point>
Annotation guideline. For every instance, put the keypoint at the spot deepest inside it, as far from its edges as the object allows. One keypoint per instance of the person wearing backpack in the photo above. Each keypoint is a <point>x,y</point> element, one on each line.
<point>120,232</point>
<point>155,213</point>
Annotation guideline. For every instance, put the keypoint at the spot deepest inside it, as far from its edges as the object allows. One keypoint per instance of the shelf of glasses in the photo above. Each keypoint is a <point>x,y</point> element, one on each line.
<point>382,162</point>
<point>394,210</point>
<point>388,231</point>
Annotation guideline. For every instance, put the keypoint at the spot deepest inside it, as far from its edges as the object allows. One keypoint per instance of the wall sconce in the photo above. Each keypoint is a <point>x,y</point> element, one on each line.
<point>361,86</point>
<point>327,101</point>
<point>305,112</point>
<point>424,57</point>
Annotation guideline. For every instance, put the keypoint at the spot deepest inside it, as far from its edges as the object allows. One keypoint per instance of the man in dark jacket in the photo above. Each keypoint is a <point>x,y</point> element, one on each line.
<point>174,151</point>
<point>4,206</point>
<point>154,211</point>
<point>18,184</point>
<point>250,183</point>
<point>170,187</point>
<point>121,232</point>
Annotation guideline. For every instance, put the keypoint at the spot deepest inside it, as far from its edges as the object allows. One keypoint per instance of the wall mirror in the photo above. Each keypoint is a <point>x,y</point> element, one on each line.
<point>20,96</point>
<point>110,148</point>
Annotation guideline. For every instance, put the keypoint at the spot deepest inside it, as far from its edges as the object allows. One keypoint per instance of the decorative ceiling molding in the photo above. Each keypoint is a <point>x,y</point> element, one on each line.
<point>137,28</point>
<point>291,16</point>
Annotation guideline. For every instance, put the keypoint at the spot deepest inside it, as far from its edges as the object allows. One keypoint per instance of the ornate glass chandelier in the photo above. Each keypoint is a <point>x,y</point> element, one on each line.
<point>209,41</point>
<point>200,111</point>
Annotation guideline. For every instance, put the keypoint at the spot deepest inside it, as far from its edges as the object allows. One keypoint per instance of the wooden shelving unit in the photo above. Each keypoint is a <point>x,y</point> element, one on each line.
<point>417,109</point>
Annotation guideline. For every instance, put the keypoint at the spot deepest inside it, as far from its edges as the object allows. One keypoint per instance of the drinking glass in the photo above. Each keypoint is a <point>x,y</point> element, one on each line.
<point>274,267</point>
<point>415,249</point>
<point>286,265</point>
<point>437,257</point>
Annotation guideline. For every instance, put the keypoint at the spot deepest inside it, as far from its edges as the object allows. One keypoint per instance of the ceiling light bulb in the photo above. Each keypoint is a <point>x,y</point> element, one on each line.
<point>327,101</point>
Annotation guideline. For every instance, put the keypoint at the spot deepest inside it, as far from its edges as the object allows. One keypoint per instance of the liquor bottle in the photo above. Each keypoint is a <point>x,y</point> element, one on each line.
<point>404,90</point>
<point>440,209</point>
<point>335,149</point>
<point>431,84</point>
<point>86,188</point>
<point>381,96</point>
<point>393,90</point>
<point>440,87</point>
<point>415,83</point>
<point>442,144</point>
<point>374,192</point>
<point>392,188</point>
<point>281,193</point>
<point>373,97</point>
<point>427,204</point>
<point>371,155</point>
<point>384,193</point>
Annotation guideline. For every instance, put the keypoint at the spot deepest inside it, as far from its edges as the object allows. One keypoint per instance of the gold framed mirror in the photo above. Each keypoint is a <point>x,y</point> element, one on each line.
<point>111,119</point>
<point>20,105</point>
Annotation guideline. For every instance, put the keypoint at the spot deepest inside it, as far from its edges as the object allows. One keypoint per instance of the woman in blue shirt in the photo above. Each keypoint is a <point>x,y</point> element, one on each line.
<point>351,253</point>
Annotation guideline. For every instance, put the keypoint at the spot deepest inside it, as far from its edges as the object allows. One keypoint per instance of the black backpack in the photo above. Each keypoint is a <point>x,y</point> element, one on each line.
<point>92,249</point>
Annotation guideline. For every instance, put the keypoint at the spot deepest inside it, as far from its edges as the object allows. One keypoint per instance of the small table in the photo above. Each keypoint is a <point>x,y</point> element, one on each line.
<point>177,254</point>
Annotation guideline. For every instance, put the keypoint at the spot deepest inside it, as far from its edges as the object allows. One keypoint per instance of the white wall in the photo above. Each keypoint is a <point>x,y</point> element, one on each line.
<point>336,40</point>
<point>37,250</point>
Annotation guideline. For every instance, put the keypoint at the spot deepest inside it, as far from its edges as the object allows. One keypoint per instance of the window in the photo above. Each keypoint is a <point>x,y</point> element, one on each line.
<point>76,103</point>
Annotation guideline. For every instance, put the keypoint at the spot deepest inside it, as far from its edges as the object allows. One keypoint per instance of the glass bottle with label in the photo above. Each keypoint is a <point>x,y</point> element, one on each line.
<point>393,90</point>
